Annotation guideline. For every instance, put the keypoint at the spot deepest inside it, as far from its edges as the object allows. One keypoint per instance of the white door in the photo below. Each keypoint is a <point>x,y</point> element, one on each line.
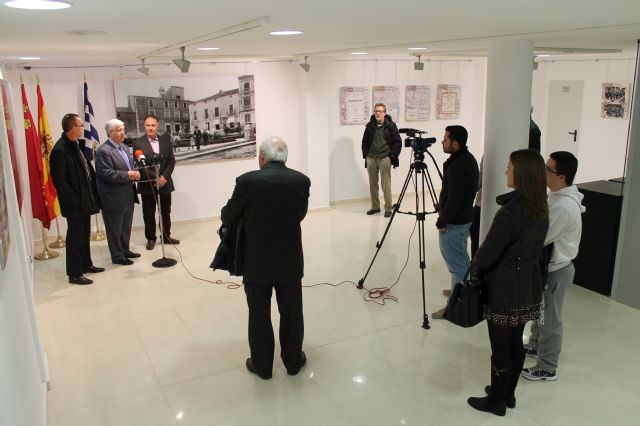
<point>563,122</point>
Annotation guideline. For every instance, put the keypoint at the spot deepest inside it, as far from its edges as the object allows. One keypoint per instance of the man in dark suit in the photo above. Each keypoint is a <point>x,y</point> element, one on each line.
<point>114,170</point>
<point>272,202</point>
<point>154,145</point>
<point>75,181</point>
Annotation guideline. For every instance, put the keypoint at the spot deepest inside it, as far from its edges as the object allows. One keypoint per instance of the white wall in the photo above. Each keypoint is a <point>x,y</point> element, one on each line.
<point>603,142</point>
<point>22,387</point>
<point>348,177</point>
<point>201,189</point>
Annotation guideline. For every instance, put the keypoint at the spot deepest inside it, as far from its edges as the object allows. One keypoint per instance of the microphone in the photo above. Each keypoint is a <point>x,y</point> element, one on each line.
<point>140,158</point>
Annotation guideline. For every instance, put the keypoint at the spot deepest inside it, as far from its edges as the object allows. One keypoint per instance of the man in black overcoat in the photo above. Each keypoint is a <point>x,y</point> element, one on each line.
<point>272,202</point>
<point>75,182</point>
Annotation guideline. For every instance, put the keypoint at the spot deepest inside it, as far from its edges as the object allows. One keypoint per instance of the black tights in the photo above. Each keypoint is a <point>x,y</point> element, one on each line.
<point>507,359</point>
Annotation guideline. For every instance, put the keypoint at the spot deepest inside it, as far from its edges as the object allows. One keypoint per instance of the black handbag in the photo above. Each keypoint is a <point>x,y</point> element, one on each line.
<point>465,306</point>
<point>229,254</point>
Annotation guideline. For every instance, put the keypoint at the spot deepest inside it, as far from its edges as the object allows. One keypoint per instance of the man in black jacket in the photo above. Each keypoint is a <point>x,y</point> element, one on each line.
<point>455,209</point>
<point>75,181</point>
<point>272,202</point>
<point>381,146</point>
<point>154,145</point>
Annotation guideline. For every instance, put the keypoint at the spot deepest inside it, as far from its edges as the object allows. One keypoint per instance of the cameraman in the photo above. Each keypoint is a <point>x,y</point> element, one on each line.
<point>381,145</point>
<point>455,209</point>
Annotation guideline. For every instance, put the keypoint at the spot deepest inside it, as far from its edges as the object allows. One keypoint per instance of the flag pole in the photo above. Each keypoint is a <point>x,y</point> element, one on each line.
<point>46,254</point>
<point>98,235</point>
<point>59,242</point>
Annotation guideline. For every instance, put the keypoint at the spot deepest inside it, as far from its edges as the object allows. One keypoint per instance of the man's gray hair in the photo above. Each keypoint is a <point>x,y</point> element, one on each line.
<point>111,124</point>
<point>274,148</point>
<point>380,104</point>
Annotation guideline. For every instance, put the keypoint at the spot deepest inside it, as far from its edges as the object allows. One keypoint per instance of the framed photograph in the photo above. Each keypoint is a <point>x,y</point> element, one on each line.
<point>207,118</point>
<point>448,102</point>
<point>390,96</point>
<point>417,103</point>
<point>354,105</point>
<point>614,101</point>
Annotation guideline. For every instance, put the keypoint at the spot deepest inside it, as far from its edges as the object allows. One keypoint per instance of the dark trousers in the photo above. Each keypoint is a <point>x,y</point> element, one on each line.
<point>261,339</point>
<point>474,231</point>
<point>78,248</point>
<point>149,214</point>
<point>117,223</point>
<point>507,359</point>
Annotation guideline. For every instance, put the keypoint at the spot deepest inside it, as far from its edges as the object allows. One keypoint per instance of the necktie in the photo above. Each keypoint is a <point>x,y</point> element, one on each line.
<point>124,156</point>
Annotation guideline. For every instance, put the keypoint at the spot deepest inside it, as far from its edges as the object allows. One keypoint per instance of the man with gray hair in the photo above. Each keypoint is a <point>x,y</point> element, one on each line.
<point>381,146</point>
<point>115,178</point>
<point>271,202</point>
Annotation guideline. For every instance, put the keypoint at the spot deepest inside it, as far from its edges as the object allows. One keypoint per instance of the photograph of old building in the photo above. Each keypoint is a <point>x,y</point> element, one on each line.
<point>219,126</point>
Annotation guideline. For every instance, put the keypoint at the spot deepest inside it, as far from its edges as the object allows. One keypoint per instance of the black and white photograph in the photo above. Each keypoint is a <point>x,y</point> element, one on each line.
<point>207,119</point>
<point>614,101</point>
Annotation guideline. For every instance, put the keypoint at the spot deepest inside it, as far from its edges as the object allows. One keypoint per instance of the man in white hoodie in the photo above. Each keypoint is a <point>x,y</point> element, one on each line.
<point>565,229</point>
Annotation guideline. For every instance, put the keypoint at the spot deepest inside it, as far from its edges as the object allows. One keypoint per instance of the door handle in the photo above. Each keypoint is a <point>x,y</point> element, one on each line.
<point>575,135</point>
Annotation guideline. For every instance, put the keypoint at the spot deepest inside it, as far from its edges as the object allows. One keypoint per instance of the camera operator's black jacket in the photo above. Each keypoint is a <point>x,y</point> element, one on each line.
<point>391,135</point>
<point>459,186</point>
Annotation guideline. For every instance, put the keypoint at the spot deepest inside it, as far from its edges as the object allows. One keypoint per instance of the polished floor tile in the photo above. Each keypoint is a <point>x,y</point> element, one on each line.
<point>156,347</point>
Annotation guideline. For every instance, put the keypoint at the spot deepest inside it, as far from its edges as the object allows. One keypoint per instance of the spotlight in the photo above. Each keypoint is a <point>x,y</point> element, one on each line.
<point>144,70</point>
<point>183,64</point>
<point>418,66</point>
<point>306,67</point>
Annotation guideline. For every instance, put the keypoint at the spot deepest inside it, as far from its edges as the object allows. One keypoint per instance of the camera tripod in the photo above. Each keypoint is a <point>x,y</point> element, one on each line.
<point>418,169</point>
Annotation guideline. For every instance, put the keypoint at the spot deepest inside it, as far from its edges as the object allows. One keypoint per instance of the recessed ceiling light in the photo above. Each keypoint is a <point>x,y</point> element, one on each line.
<point>208,48</point>
<point>359,53</point>
<point>417,48</point>
<point>38,4</point>
<point>29,58</point>
<point>286,32</point>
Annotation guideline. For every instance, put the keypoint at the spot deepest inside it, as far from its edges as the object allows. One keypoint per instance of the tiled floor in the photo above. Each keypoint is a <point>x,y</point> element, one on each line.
<point>154,347</point>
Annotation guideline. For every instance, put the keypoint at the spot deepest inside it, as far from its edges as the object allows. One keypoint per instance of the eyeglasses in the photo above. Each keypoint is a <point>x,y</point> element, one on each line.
<point>379,112</point>
<point>550,170</point>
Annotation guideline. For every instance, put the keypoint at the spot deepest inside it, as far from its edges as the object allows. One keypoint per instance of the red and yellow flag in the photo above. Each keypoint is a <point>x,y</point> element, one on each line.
<point>46,143</point>
<point>34,161</point>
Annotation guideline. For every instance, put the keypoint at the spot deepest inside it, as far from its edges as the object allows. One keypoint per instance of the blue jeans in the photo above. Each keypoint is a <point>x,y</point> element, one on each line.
<point>453,246</point>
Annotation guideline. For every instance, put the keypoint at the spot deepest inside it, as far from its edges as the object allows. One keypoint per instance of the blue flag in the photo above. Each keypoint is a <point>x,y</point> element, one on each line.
<point>90,133</point>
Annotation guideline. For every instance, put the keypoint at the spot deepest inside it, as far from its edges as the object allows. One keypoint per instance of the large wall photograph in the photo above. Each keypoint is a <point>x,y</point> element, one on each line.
<point>208,119</point>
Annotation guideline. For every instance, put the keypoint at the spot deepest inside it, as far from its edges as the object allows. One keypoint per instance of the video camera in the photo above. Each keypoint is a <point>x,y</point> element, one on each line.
<point>415,140</point>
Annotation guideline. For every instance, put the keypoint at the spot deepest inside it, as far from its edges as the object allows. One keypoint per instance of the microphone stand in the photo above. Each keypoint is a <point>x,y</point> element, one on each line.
<point>164,262</point>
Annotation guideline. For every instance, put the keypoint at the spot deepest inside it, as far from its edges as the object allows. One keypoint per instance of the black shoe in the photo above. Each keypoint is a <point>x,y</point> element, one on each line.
<point>95,269</point>
<point>253,370</point>
<point>387,213</point>
<point>131,255</point>
<point>373,211</point>
<point>150,244</point>
<point>511,399</point>
<point>485,404</point>
<point>80,280</point>
<point>292,371</point>
<point>172,241</point>
<point>123,261</point>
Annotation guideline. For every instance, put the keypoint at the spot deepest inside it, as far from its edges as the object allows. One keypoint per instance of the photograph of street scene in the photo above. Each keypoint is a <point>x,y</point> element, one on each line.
<point>208,119</point>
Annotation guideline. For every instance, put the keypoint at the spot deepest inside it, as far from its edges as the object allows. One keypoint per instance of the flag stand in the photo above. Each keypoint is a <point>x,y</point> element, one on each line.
<point>59,242</point>
<point>46,254</point>
<point>99,235</point>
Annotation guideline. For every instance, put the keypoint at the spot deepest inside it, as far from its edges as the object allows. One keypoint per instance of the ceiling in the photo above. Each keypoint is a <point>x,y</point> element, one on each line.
<point>94,32</point>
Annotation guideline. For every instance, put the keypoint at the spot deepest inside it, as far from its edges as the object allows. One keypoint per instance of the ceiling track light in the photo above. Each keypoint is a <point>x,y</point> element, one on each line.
<point>183,64</point>
<point>144,70</point>
<point>418,66</point>
<point>306,67</point>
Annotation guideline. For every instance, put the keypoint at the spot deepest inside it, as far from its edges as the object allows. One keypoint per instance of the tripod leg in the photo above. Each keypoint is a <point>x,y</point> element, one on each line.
<point>396,206</point>
<point>421,215</point>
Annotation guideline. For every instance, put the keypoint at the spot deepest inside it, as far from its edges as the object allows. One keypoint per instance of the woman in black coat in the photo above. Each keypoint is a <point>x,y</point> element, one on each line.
<point>507,265</point>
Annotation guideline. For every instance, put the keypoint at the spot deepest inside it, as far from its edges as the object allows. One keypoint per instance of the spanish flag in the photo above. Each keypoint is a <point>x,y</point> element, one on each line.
<point>34,161</point>
<point>46,143</point>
